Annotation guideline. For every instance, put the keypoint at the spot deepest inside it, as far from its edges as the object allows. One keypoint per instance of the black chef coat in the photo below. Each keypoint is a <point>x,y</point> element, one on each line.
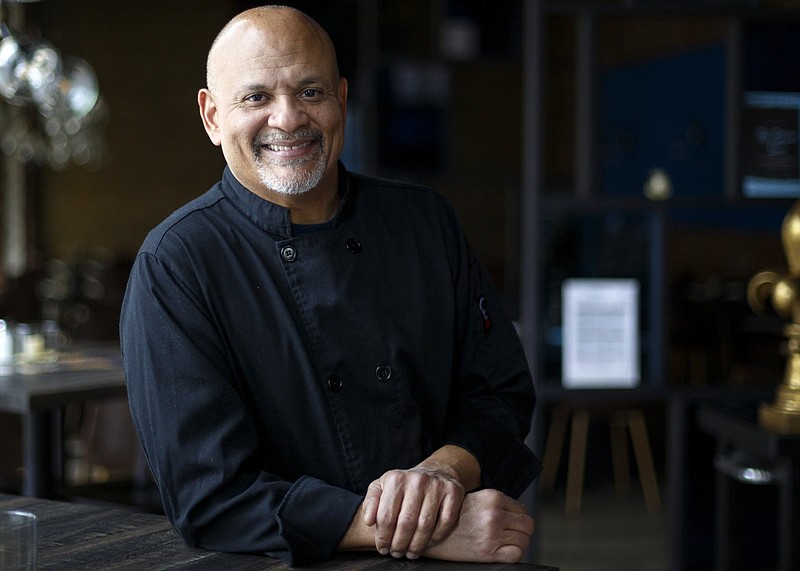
<point>272,375</point>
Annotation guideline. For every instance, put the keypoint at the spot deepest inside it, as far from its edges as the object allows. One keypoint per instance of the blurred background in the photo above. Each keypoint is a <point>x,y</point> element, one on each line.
<point>574,139</point>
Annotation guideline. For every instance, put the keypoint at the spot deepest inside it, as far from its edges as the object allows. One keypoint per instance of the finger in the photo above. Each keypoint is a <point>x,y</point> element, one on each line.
<point>407,521</point>
<point>516,507</point>
<point>512,546</point>
<point>520,523</point>
<point>427,522</point>
<point>509,554</point>
<point>369,506</point>
<point>447,520</point>
<point>514,523</point>
<point>388,514</point>
<point>510,505</point>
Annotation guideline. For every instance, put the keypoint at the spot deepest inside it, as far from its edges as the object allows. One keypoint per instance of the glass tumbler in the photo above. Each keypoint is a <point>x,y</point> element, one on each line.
<point>17,541</point>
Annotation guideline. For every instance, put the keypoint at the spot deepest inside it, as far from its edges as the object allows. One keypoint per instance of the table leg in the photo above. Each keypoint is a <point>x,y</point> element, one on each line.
<point>724,510</point>
<point>37,453</point>
<point>788,517</point>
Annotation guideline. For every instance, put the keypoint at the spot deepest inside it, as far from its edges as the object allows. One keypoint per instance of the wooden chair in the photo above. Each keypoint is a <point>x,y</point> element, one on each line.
<point>630,420</point>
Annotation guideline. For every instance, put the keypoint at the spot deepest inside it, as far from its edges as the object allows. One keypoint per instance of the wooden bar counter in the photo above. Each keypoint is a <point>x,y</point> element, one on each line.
<point>85,537</point>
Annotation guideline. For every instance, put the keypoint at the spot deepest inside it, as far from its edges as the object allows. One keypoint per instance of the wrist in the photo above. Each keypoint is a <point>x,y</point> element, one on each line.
<point>359,536</point>
<point>457,463</point>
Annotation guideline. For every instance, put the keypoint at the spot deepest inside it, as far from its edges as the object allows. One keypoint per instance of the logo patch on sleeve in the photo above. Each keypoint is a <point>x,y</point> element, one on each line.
<point>487,321</point>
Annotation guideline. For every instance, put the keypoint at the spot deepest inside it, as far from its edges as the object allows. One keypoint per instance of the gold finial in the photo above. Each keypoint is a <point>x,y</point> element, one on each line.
<point>769,289</point>
<point>790,233</point>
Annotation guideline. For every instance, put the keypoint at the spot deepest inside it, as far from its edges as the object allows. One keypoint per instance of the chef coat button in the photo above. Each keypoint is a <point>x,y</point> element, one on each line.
<point>288,253</point>
<point>353,246</point>
<point>384,373</point>
<point>335,383</point>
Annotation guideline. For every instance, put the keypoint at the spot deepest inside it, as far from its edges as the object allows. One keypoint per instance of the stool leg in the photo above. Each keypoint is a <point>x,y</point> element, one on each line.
<point>619,455</point>
<point>644,460</point>
<point>577,459</point>
<point>552,448</point>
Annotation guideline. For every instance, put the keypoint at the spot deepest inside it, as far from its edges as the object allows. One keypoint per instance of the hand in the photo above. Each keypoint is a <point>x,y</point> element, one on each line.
<point>412,509</point>
<point>492,528</point>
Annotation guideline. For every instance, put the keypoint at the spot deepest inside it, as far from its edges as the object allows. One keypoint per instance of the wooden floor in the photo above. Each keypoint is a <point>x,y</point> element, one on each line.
<point>610,534</point>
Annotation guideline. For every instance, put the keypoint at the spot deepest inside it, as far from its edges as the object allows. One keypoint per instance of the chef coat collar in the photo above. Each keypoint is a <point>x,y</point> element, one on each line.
<point>269,216</point>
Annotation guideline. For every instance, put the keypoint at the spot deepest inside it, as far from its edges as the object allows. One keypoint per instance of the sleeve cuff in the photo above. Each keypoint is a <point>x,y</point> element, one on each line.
<point>313,518</point>
<point>509,468</point>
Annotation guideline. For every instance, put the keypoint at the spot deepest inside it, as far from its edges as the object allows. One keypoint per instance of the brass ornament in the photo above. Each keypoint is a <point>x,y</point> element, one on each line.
<point>781,293</point>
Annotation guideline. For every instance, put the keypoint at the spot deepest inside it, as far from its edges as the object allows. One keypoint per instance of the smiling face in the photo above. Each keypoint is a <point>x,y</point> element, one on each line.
<point>275,103</point>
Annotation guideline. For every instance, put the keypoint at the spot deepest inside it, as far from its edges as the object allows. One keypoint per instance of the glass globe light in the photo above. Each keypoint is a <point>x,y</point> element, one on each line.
<point>13,62</point>
<point>41,72</point>
<point>78,87</point>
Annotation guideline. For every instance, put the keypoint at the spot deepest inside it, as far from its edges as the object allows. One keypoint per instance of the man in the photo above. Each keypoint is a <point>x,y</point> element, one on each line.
<point>315,360</point>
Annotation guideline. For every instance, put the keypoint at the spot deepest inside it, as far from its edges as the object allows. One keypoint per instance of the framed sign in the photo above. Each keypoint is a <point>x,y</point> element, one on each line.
<point>600,333</point>
<point>770,151</point>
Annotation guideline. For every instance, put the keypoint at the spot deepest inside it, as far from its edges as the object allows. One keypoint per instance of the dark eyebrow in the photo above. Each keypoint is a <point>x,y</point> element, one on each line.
<point>313,80</point>
<point>305,82</point>
<point>253,87</point>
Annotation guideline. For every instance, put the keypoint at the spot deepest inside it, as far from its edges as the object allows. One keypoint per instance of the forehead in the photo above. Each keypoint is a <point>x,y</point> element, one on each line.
<point>272,50</point>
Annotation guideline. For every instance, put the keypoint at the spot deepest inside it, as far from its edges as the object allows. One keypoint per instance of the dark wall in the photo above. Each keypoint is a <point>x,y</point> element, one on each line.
<point>150,62</point>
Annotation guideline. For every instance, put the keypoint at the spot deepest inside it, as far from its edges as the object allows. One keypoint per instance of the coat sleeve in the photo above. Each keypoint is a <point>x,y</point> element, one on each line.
<point>200,441</point>
<point>493,400</point>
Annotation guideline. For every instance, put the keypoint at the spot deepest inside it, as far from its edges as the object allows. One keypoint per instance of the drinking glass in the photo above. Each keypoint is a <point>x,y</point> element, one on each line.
<point>17,541</point>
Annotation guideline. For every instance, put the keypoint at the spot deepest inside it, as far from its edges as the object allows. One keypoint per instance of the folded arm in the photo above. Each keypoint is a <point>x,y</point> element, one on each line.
<point>412,509</point>
<point>491,528</point>
<point>201,441</point>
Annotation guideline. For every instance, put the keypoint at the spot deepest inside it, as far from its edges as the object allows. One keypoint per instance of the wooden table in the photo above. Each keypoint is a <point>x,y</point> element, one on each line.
<point>81,536</point>
<point>92,373</point>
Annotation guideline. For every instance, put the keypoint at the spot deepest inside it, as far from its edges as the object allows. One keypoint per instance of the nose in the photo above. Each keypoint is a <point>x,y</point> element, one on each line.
<point>287,113</point>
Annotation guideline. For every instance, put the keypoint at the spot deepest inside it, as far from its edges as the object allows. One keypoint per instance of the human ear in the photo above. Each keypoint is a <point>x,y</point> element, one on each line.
<point>343,96</point>
<point>208,113</point>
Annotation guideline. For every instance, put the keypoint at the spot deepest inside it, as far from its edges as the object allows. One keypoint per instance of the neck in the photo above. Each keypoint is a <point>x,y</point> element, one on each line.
<point>312,207</point>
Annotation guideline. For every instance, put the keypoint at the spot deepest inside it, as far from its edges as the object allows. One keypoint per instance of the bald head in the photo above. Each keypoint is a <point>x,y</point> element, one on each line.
<point>274,27</point>
<point>277,107</point>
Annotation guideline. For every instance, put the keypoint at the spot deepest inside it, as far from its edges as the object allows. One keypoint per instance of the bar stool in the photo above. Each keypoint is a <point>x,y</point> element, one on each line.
<point>620,421</point>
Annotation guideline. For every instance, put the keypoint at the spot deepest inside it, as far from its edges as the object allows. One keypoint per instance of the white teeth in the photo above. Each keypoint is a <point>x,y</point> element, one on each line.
<point>279,148</point>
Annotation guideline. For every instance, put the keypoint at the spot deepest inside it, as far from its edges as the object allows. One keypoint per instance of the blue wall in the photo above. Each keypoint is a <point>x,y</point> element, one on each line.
<point>666,113</point>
